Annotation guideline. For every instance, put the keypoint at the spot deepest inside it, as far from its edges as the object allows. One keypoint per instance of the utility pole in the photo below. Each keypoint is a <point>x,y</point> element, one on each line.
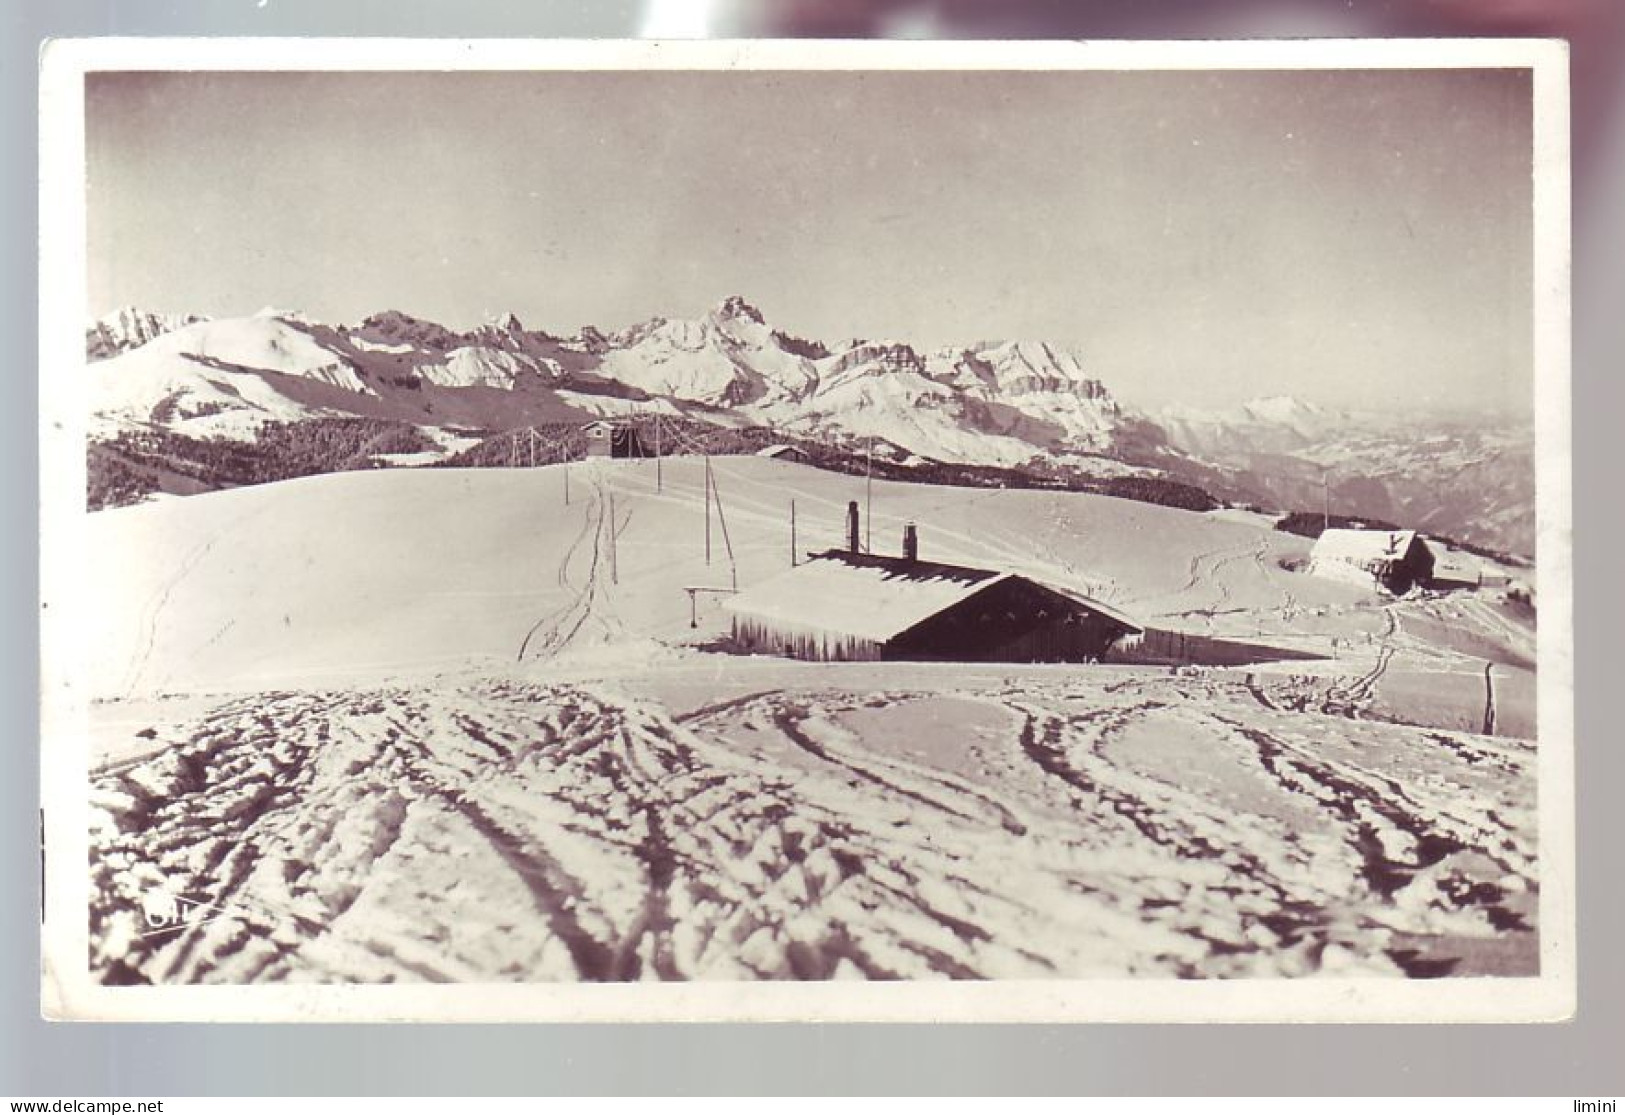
<point>658,485</point>
<point>567,483</point>
<point>1325,500</point>
<point>614,543</point>
<point>722,520</point>
<point>792,534</point>
<point>708,509</point>
<point>869,498</point>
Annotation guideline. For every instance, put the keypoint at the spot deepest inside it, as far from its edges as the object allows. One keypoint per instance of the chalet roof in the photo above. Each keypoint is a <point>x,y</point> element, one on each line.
<point>776,450</point>
<point>1361,546</point>
<point>1096,606</point>
<point>869,596</point>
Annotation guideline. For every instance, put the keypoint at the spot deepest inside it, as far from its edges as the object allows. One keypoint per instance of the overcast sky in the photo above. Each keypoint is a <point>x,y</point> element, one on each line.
<point>1349,238</point>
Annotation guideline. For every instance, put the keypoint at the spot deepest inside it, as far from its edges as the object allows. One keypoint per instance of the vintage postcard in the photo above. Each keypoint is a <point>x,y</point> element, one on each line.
<point>876,531</point>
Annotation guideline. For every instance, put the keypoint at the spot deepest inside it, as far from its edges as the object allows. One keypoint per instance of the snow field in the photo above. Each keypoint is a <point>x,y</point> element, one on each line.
<point>443,725</point>
<point>517,831</point>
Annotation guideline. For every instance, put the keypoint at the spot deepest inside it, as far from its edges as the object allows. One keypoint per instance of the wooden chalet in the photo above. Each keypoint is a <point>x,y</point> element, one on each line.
<point>1391,559</point>
<point>841,605</point>
<point>607,438</point>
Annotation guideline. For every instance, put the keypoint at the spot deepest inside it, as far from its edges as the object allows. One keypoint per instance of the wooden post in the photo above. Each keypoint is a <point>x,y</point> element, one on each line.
<point>567,483</point>
<point>658,485</point>
<point>1489,700</point>
<point>792,534</point>
<point>708,509</point>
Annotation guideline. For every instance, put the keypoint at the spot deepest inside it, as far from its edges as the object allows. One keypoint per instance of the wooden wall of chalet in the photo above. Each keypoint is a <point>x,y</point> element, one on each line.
<point>1009,621</point>
<point>615,441</point>
<point>627,442</point>
<point>1414,568</point>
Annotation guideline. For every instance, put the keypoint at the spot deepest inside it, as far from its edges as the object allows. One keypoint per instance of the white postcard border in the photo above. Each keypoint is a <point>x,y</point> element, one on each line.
<point>67,988</point>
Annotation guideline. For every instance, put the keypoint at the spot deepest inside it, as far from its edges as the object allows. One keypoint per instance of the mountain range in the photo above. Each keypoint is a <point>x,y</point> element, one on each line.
<point>1013,404</point>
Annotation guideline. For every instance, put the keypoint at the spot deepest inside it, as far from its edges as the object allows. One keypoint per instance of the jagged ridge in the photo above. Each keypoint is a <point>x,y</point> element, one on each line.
<point>1009,404</point>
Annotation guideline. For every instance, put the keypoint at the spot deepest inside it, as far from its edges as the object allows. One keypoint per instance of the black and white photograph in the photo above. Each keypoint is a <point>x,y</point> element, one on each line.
<point>850,532</point>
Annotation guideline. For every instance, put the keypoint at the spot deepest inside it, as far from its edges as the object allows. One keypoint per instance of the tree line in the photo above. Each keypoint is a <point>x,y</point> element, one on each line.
<point>138,462</point>
<point>135,463</point>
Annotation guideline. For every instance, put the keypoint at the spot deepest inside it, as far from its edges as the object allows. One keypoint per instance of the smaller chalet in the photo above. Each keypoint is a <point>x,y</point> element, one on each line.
<point>841,605</point>
<point>1391,559</point>
<point>606,438</point>
<point>783,453</point>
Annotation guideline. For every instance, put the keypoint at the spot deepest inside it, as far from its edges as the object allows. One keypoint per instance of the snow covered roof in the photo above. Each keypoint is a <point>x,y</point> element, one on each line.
<point>869,596</point>
<point>776,450</point>
<point>863,598</point>
<point>1360,546</point>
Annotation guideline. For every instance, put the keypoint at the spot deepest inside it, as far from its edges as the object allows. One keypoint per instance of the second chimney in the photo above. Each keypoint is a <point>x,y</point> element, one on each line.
<point>911,543</point>
<point>852,527</point>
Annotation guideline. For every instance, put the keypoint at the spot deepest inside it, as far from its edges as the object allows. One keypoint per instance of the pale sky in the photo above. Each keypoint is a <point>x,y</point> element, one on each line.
<point>1350,238</point>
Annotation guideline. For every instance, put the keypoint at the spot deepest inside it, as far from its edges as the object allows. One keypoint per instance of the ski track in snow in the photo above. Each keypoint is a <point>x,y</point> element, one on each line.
<point>151,615</point>
<point>587,599</point>
<point>522,830</point>
<point>1202,576</point>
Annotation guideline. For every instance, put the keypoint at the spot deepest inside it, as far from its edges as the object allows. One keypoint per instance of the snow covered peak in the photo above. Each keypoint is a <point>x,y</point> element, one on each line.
<point>506,332</point>
<point>1286,409</point>
<point>129,317</point>
<point>402,328</point>
<point>285,315</point>
<point>589,338</point>
<point>128,328</point>
<point>734,307</point>
<point>873,358</point>
<point>719,360</point>
<point>391,320</point>
<point>1271,424</point>
<point>1277,412</point>
<point>1027,367</point>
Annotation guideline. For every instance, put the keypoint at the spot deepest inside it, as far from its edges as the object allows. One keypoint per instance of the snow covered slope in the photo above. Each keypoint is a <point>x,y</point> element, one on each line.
<point>448,725</point>
<point>218,378</point>
<point>384,574</point>
<point>365,572</point>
